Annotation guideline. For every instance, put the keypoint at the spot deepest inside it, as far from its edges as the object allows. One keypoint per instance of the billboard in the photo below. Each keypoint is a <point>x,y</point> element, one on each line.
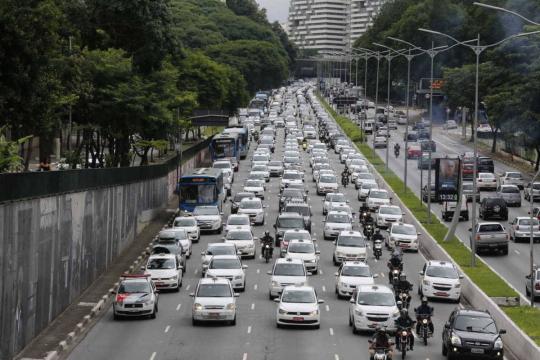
<point>447,179</point>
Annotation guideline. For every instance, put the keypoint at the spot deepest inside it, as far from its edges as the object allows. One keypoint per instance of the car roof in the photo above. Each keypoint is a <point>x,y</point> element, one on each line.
<point>441,263</point>
<point>350,233</point>
<point>213,280</point>
<point>162,256</point>
<point>374,288</point>
<point>289,261</point>
<point>473,312</point>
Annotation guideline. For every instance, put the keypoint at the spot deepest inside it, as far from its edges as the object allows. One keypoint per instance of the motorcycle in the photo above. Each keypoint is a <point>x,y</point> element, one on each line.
<point>425,331</point>
<point>377,249</point>
<point>404,342</point>
<point>267,252</point>
<point>404,297</point>
<point>396,152</point>
<point>304,146</point>
<point>394,276</point>
<point>344,181</point>
<point>363,216</point>
<point>368,231</point>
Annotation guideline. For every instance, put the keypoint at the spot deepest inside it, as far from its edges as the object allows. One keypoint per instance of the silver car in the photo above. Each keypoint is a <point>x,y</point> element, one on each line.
<point>512,178</point>
<point>520,229</point>
<point>510,194</point>
<point>536,290</point>
<point>532,191</point>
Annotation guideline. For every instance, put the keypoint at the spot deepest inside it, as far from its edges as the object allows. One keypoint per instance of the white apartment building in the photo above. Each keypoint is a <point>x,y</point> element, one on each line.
<point>330,25</point>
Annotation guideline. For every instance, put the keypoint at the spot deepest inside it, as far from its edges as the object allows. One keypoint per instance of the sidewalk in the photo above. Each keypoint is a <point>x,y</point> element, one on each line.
<point>48,340</point>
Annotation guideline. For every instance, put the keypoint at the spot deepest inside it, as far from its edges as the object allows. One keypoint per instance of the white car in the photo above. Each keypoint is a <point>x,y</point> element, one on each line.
<point>189,225</point>
<point>216,249</point>
<point>244,241</point>
<point>165,271</point>
<point>260,159</point>
<point>331,198</point>
<point>336,222</point>
<point>214,300</point>
<point>363,177</point>
<point>512,178</point>
<point>306,251</point>
<point>228,267</point>
<point>293,234</point>
<point>379,142</point>
<point>286,272</point>
<point>320,172</point>
<point>486,181</point>
<point>520,229</point>
<point>261,169</point>
<point>371,307</point>
<point>341,143</point>
<point>326,183</point>
<point>238,220</point>
<point>349,245</point>
<point>350,275</point>
<point>387,215</point>
<point>376,198</point>
<point>298,306</point>
<point>440,279</point>
<point>208,218</point>
<point>179,235</point>
<point>365,188</point>
<point>255,186</point>
<point>355,165</point>
<point>226,168</point>
<point>291,177</point>
<point>127,299</point>
<point>342,207</point>
<point>254,208</point>
<point>403,236</point>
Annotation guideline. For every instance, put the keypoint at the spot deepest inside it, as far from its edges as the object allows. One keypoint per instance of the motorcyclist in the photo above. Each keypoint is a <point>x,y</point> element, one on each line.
<point>364,208</point>
<point>426,310</point>
<point>403,285</point>
<point>404,321</point>
<point>267,239</point>
<point>397,147</point>
<point>345,177</point>
<point>378,235</point>
<point>395,262</point>
<point>380,340</point>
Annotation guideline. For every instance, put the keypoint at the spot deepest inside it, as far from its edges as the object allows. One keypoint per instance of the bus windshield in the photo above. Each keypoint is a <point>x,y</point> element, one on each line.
<point>198,194</point>
<point>223,148</point>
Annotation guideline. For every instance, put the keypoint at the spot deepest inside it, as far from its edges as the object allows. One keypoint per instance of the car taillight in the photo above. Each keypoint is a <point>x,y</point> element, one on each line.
<point>477,237</point>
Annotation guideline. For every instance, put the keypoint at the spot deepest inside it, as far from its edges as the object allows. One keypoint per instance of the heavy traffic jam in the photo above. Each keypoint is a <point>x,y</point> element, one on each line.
<point>290,197</point>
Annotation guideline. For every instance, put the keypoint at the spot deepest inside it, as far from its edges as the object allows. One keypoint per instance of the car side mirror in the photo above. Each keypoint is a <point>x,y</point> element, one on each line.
<point>269,272</point>
<point>143,268</point>
<point>113,292</point>
<point>502,331</point>
<point>470,229</point>
<point>236,294</point>
<point>265,206</point>
<point>447,325</point>
<point>527,276</point>
<point>203,253</point>
<point>309,273</point>
<point>320,301</point>
<point>336,274</point>
<point>375,276</point>
<point>461,276</point>
<point>180,267</point>
<point>244,266</point>
<point>192,294</point>
<point>351,300</point>
<point>421,273</point>
<point>275,226</point>
<point>277,300</point>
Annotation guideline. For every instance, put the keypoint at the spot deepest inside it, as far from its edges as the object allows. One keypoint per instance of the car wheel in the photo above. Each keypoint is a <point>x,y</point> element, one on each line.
<point>153,314</point>
<point>278,325</point>
<point>444,350</point>
<point>194,322</point>
<point>334,261</point>
<point>117,317</point>
<point>350,320</point>
<point>233,321</point>
<point>354,329</point>
<point>527,292</point>
<point>505,250</point>
<point>177,288</point>
<point>270,297</point>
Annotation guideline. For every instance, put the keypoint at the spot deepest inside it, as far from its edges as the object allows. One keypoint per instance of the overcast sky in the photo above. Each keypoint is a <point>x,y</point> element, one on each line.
<point>276,9</point>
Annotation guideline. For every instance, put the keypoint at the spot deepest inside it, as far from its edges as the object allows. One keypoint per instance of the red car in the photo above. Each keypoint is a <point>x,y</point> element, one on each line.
<point>414,151</point>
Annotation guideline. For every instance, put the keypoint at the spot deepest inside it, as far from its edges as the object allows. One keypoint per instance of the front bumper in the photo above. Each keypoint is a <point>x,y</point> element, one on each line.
<point>349,257</point>
<point>166,283</point>
<point>244,252</point>
<point>462,352</point>
<point>331,233</point>
<point>430,292</point>
<point>122,310</point>
<point>298,319</point>
<point>214,315</point>
<point>209,226</point>
<point>346,290</point>
<point>194,235</point>
<point>363,323</point>
<point>325,190</point>
<point>405,245</point>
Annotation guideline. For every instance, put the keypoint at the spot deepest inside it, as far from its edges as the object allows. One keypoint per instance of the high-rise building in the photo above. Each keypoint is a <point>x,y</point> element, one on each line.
<point>330,25</point>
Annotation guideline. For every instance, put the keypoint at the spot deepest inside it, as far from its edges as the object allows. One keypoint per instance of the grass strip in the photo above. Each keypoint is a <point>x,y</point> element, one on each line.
<point>489,282</point>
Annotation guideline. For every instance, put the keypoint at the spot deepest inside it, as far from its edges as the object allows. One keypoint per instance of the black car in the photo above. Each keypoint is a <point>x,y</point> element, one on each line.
<point>287,221</point>
<point>302,208</point>
<point>235,201</point>
<point>493,208</point>
<point>423,134</point>
<point>426,145</point>
<point>485,164</point>
<point>472,334</point>
<point>289,194</point>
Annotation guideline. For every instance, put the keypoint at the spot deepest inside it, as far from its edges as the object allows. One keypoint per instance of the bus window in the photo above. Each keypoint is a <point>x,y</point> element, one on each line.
<point>189,194</point>
<point>206,194</point>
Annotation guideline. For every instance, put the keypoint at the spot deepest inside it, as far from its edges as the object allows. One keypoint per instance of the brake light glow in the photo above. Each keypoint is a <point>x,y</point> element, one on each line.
<point>121,297</point>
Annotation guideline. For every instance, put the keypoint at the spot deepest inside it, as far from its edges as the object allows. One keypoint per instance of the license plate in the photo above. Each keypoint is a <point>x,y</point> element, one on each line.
<point>159,283</point>
<point>213,314</point>
<point>441,293</point>
<point>297,318</point>
<point>477,351</point>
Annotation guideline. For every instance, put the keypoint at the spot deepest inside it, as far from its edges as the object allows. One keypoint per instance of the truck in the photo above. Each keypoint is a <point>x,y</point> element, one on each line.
<point>491,236</point>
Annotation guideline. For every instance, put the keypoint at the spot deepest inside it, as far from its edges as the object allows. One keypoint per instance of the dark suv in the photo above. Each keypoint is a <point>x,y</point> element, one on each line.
<point>287,221</point>
<point>493,208</point>
<point>472,333</point>
<point>485,164</point>
<point>235,201</point>
<point>301,208</point>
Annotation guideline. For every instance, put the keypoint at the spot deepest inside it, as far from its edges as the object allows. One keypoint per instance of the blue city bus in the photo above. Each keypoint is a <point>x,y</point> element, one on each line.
<point>244,138</point>
<point>201,186</point>
<point>226,147</point>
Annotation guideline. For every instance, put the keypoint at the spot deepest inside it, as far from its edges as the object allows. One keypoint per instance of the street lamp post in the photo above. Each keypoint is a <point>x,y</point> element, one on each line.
<point>478,50</point>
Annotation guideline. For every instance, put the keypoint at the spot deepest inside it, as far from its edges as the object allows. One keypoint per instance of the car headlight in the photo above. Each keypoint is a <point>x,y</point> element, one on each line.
<point>426,282</point>
<point>395,314</point>
<point>342,284</point>
<point>358,312</point>
<point>281,311</point>
<point>175,277</point>
<point>275,284</point>
<point>314,313</point>
<point>149,302</point>
<point>455,340</point>
<point>197,307</point>
<point>251,246</point>
<point>310,261</point>
<point>458,285</point>
<point>339,254</point>
<point>238,277</point>
<point>498,344</point>
<point>231,306</point>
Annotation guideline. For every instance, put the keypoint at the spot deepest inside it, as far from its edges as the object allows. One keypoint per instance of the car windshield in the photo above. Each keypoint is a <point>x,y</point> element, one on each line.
<point>364,176</point>
<point>357,271</point>
<point>238,220</point>
<point>239,235</point>
<point>302,210</point>
<point>292,176</point>
<point>490,228</point>
<point>442,272</point>
<point>376,299</point>
<point>220,250</point>
<point>357,162</point>
<point>239,197</point>
<point>185,222</point>
<point>251,205</point>
<point>486,176</point>
<point>132,287</point>
<point>336,198</point>
<point>260,158</point>
<point>256,176</point>
<point>296,235</point>
<point>222,165</point>
<point>351,241</point>
<point>298,296</point>
<point>403,230</point>
<point>527,222</point>
<point>206,210</point>
<point>301,248</point>
<point>259,168</point>
<point>294,223</point>
<point>214,290</point>
<point>338,218</point>
<point>468,187</point>
<point>291,160</point>
<point>475,324</point>
<point>327,179</point>
<point>254,183</point>
<point>293,193</point>
<point>390,210</point>
<point>378,194</point>
<point>225,264</point>
<point>536,186</point>
<point>513,175</point>
<point>289,270</point>
<point>275,163</point>
<point>161,264</point>
<point>510,190</point>
<point>369,186</point>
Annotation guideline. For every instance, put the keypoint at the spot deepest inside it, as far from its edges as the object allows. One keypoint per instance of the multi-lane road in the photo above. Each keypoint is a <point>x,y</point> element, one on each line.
<point>255,336</point>
<point>512,267</point>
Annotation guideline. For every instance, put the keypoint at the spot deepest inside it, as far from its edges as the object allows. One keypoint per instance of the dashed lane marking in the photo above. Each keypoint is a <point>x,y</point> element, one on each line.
<point>336,357</point>
<point>517,252</point>
<point>167,328</point>
<point>255,287</point>
<point>382,274</point>
<point>324,288</point>
<point>244,357</point>
<point>253,306</point>
<point>196,271</point>
<point>320,272</point>
<point>331,332</point>
<point>178,307</point>
<point>153,356</point>
<point>187,287</point>
<point>258,271</point>
<point>249,330</point>
<point>327,308</point>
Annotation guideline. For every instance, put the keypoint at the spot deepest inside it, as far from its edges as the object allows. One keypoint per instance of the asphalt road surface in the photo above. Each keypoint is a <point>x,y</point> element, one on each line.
<point>255,336</point>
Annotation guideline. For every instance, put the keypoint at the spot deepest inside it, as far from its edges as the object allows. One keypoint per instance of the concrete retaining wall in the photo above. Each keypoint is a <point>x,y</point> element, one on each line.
<point>53,248</point>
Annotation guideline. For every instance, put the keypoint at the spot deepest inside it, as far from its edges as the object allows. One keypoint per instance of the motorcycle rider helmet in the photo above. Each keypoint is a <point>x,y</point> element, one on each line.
<point>267,233</point>
<point>424,301</point>
<point>378,231</point>
<point>402,277</point>
<point>404,312</point>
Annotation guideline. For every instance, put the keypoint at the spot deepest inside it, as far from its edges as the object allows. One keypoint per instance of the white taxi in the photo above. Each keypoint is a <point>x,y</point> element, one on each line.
<point>404,236</point>
<point>286,272</point>
<point>440,279</point>
<point>214,300</point>
<point>298,306</point>
<point>229,267</point>
<point>350,275</point>
<point>372,307</point>
<point>165,271</point>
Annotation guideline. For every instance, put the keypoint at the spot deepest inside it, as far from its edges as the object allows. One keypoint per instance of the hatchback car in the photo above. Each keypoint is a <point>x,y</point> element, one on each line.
<point>256,187</point>
<point>386,215</point>
<point>349,246</point>
<point>286,272</point>
<point>287,221</point>
<point>335,222</point>
<point>403,236</point>
<point>536,285</point>
<point>216,249</point>
<point>493,208</point>
<point>214,300</point>
<point>254,208</point>
<point>302,208</point>
<point>290,235</point>
<point>363,177</point>
<point>380,142</point>
<point>189,225</point>
<point>306,251</point>
<point>208,218</point>
<point>510,194</point>
<point>235,200</point>
<point>136,296</point>
<point>532,191</point>
<point>165,271</point>
<point>486,181</point>
<point>467,188</point>
<point>512,178</point>
<point>298,306</point>
<point>376,198</point>
<point>439,279</point>
<point>229,267</point>
<point>372,307</point>
<point>520,229</point>
<point>275,168</point>
<point>244,241</point>
<point>326,184</point>
<point>350,275</point>
<point>236,220</point>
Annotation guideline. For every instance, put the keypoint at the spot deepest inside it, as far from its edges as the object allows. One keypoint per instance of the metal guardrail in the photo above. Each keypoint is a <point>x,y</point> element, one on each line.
<point>18,186</point>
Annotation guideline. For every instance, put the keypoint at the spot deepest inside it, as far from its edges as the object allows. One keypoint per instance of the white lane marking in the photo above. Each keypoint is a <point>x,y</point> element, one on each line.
<point>167,329</point>
<point>178,307</point>
<point>375,260</point>
<point>187,287</point>
<point>244,357</point>
<point>382,274</point>
<point>258,271</point>
<point>253,306</point>
<point>324,288</point>
<point>249,329</point>
<point>196,271</point>
<point>517,252</point>
<point>320,272</point>
<point>153,356</point>
<point>327,308</point>
<point>255,287</point>
<point>336,357</point>
<point>331,332</point>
